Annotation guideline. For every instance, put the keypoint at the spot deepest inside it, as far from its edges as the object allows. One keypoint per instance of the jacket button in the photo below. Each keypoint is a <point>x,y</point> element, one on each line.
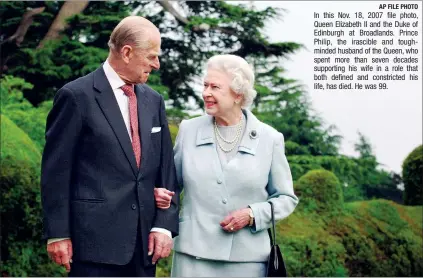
<point>133,206</point>
<point>219,181</point>
<point>224,201</point>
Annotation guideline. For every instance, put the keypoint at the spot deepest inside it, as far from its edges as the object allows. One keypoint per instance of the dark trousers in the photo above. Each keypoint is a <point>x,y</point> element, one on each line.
<point>134,268</point>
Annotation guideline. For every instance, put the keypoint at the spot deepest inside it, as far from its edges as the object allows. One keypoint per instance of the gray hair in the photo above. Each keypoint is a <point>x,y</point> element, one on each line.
<point>132,30</point>
<point>240,71</point>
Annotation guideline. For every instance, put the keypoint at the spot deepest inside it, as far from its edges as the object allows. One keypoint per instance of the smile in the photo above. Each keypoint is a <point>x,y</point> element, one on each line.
<point>210,103</point>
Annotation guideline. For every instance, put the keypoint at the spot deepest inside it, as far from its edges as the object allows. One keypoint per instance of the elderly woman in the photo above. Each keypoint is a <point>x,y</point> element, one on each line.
<point>231,166</point>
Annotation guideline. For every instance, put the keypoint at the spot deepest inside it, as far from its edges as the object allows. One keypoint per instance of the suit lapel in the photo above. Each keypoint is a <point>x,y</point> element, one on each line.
<point>107,101</point>
<point>205,138</point>
<point>205,133</point>
<point>144,121</point>
<point>248,142</point>
<point>252,133</point>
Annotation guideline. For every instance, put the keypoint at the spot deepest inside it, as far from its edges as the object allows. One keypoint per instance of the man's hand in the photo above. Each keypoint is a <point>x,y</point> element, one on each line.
<point>159,244</point>
<point>163,197</point>
<point>61,252</point>
<point>236,220</point>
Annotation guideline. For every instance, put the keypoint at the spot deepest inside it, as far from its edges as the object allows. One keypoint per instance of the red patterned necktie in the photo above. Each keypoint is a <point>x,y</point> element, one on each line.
<point>133,118</point>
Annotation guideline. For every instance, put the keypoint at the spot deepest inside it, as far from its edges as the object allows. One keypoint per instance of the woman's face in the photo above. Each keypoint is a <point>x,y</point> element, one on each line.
<point>219,99</point>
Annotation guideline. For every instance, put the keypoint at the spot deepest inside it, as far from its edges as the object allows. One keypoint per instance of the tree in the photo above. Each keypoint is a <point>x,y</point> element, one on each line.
<point>363,146</point>
<point>59,24</point>
<point>379,183</point>
<point>16,18</point>
<point>66,57</point>
<point>290,112</point>
<point>82,46</point>
<point>17,38</point>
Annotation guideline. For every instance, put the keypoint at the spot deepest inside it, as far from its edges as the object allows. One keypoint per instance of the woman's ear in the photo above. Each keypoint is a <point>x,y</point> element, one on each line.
<point>238,98</point>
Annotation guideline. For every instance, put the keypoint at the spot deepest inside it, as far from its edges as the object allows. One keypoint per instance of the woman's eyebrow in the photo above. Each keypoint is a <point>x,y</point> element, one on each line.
<point>212,83</point>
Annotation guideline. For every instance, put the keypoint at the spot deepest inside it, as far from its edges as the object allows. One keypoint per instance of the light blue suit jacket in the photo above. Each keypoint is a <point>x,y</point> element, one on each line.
<point>257,174</point>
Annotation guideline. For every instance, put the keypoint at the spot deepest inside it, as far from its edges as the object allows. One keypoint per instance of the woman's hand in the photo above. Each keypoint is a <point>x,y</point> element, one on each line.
<point>236,220</point>
<point>163,197</point>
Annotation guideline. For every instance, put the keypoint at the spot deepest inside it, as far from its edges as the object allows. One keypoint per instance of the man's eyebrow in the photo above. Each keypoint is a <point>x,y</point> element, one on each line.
<point>156,53</point>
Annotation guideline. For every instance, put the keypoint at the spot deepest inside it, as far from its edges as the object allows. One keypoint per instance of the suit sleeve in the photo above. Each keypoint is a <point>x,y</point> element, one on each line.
<point>64,124</point>
<point>280,189</point>
<point>169,218</point>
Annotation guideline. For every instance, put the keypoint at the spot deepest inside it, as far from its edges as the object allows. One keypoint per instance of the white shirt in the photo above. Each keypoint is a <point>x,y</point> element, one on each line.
<point>123,101</point>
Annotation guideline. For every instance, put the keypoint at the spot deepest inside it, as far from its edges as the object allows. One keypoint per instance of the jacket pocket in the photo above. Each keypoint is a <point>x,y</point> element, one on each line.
<point>89,200</point>
<point>88,188</point>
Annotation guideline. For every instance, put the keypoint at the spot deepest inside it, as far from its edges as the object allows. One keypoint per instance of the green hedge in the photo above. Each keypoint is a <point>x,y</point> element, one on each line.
<point>382,239</point>
<point>22,250</point>
<point>17,144</point>
<point>319,191</point>
<point>368,238</point>
<point>412,169</point>
<point>32,120</point>
<point>173,132</point>
<point>359,177</point>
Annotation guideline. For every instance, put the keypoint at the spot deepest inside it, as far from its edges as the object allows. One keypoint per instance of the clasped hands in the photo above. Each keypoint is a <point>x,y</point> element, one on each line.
<point>233,222</point>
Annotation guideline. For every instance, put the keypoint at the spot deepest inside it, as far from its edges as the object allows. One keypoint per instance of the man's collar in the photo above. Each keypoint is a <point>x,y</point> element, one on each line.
<point>111,75</point>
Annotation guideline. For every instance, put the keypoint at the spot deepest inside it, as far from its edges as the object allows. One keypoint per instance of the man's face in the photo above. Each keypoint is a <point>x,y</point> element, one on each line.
<point>142,61</point>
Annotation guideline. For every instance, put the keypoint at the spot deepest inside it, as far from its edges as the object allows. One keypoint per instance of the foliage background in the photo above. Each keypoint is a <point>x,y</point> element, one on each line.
<point>351,220</point>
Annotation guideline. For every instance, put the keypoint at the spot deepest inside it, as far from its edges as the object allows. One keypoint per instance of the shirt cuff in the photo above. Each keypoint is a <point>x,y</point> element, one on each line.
<point>163,231</point>
<point>51,240</point>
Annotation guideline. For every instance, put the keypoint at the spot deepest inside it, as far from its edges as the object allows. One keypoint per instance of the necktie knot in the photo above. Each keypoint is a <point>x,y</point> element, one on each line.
<point>128,90</point>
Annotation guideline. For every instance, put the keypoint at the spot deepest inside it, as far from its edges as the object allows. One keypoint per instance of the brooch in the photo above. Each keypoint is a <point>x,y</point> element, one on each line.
<point>253,134</point>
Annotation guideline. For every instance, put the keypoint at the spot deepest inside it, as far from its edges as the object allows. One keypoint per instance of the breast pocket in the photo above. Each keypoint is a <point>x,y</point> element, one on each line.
<point>156,138</point>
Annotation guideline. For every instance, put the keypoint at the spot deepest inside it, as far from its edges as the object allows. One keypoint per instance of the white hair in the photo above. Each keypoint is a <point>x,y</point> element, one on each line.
<point>133,30</point>
<point>240,71</point>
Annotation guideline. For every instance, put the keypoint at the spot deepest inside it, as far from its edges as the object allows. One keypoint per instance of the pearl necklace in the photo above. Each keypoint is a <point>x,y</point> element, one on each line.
<point>218,136</point>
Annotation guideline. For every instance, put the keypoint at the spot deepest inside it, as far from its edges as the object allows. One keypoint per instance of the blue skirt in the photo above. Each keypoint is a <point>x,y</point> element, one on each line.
<point>184,265</point>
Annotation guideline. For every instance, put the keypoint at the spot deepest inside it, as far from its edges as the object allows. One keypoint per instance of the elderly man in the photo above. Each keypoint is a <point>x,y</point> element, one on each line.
<point>107,147</point>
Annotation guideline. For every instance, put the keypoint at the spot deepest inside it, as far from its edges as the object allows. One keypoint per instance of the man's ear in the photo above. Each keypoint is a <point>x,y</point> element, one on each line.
<point>126,53</point>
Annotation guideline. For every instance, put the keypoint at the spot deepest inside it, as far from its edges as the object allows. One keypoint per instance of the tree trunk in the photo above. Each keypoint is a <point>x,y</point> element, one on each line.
<point>59,24</point>
<point>10,44</point>
<point>167,6</point>
<point>26,21</point>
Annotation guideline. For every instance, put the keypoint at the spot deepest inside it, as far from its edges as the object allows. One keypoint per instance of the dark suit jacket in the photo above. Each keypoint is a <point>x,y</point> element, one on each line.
<point>92,190</point>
